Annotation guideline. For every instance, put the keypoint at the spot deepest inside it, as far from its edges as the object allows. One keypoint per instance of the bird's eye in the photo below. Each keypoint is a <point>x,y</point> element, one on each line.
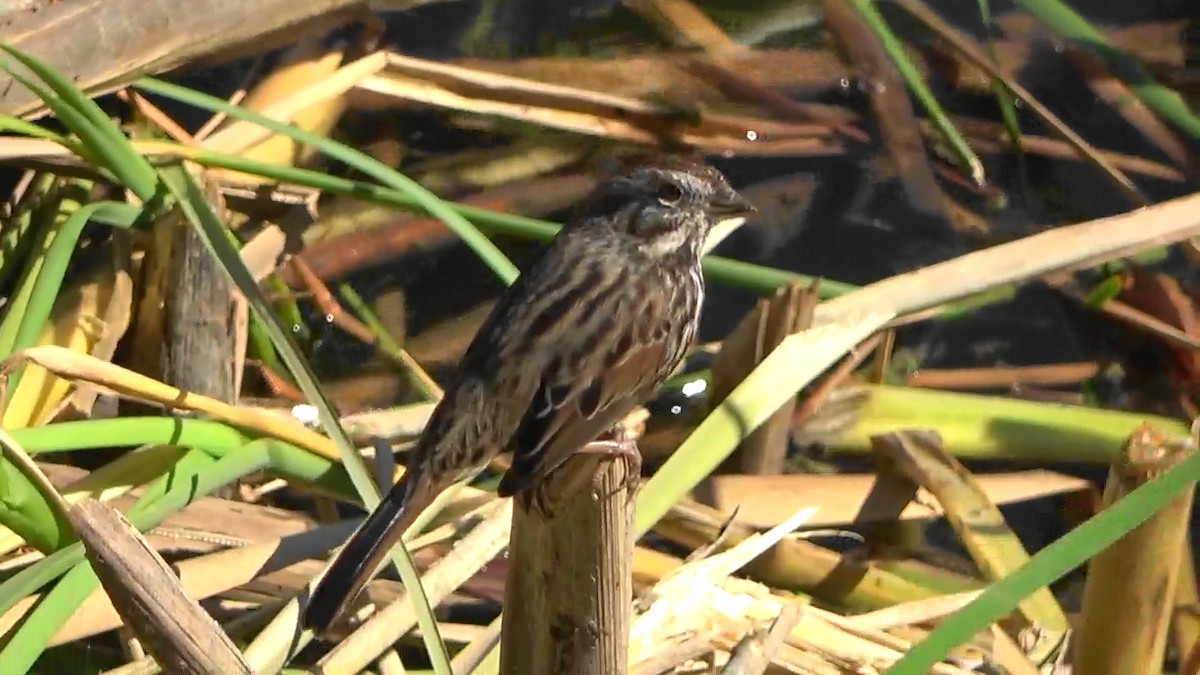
<point>669,194</point>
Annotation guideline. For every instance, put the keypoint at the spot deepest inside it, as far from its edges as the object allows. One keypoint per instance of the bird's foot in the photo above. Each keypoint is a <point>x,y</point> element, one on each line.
<point>620,446</point>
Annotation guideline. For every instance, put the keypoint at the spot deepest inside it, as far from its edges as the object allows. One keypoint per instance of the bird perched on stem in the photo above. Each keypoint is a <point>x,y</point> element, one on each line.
<point>594,324</point>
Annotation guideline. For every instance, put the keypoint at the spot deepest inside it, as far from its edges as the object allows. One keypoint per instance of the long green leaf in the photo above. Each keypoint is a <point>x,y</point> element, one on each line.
<point>24,511</point>
<point>22,508</point>
<point>35,576</point>
<point>54,269</point>
<point>33,635</point>
<point>1005,100</point>
<point>194,476</point>
<point>289,461</point>
<point>58,208</point>
<point>370,166</point>
<point>788,368</point>
<point>25,128</point>
<point>98,148</point>
<point>22,228</point>
<point>128,432</point>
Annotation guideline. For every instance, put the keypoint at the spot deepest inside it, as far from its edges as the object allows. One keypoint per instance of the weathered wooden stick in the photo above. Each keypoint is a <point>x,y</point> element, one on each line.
<point>185,328</point>
<point>570,585</point>
<point>172,627</point>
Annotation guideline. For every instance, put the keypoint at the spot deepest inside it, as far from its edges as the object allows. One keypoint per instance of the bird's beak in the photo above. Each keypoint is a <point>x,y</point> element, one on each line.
<point>727,202</point>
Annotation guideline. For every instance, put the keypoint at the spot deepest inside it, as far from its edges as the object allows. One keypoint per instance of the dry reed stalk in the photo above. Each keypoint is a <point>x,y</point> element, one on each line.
<point>570,582</point>
<point>173,628</point>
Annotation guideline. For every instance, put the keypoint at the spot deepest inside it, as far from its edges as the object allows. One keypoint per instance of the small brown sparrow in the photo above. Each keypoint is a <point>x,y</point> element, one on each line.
<point>594,324</point>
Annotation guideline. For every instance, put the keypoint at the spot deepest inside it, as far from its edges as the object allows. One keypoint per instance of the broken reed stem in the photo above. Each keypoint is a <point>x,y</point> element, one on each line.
<point>1138,572</point>
<point>568,598</point>
<point>172,627</point>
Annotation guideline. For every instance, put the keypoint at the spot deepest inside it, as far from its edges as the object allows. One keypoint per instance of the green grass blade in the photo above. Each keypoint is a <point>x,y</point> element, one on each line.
<point>260,347</point>
<point>288,308</point>
<point>50,277</point>
<point>916,83</point>
<point>1065,21</point>
<point>119,215</point>
<point>128,432</point>
<point>370,166</point>
<point>28,642</point>
<point>387,345</point>
<point>1005,101</point>
<point>788,368</point>
<point>33,635</point>
<point>1049,565</point>
<point>993,428</point>
<point>18,232</point>
<point>66,90</point>
<point>26,513</point>
<point>29,580</point>
<point>134,171</point>
<point>215,438</point>
<point>60,205</point>
<point>97,148</point>
<point>100,150</point>
<point>195,475</point>
<point>8,123</point>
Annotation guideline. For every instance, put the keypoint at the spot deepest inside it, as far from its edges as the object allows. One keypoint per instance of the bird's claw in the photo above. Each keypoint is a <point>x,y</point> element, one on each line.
<point>625,449</point>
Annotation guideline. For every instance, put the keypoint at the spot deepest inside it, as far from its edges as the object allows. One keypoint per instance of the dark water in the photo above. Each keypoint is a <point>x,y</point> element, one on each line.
<point>852,223</point>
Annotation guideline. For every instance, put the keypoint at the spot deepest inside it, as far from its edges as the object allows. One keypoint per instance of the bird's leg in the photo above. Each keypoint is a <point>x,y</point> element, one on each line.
<point>612,444</point>
<point>616,443</point>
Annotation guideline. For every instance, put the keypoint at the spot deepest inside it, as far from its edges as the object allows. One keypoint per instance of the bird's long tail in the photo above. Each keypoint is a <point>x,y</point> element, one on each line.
<point>359,559</point>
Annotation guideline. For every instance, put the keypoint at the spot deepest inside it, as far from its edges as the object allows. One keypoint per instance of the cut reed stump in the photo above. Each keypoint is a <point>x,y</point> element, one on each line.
<point>1137,573</point>
<point>569,592</point>
<point>186,331</point>
<point>173,628</point>
<point>187,320</point>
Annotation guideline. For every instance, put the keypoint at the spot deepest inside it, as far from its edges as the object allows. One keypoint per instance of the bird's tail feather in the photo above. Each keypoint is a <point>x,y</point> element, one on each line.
<point>358,560</point>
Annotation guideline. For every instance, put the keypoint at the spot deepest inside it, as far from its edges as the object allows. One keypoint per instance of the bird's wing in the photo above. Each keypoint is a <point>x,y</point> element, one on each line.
<point>569,410</point>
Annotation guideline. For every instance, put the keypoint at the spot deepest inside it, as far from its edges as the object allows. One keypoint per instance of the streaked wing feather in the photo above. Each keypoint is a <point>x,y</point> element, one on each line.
<point>549,434</point>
